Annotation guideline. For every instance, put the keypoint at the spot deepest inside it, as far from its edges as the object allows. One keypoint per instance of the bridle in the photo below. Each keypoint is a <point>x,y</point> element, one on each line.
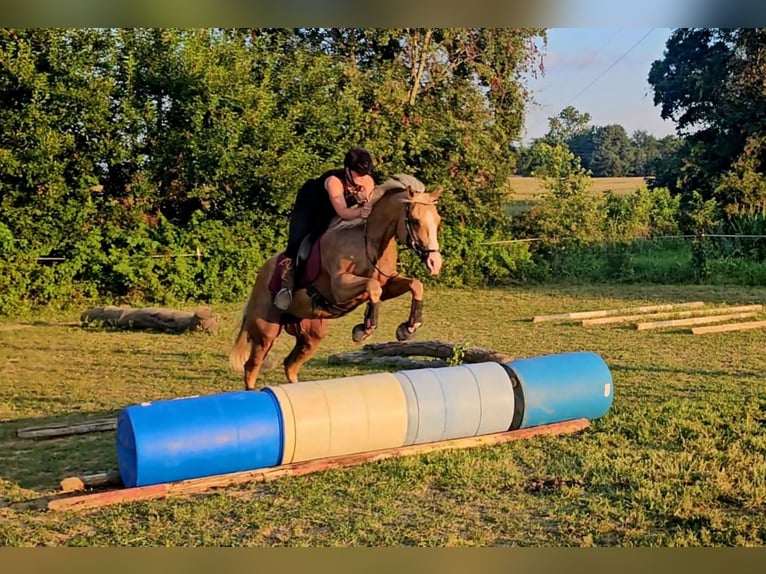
<point>412,244</point>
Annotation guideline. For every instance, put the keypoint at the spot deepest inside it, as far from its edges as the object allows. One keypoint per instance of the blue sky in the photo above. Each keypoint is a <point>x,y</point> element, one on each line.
<point>576,62</point>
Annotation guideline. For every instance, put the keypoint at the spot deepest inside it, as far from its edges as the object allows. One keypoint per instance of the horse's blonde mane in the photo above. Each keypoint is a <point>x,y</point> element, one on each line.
<point>397,182</point>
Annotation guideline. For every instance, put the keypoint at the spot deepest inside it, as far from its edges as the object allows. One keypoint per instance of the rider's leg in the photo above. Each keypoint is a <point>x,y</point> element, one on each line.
<point>300,226</point>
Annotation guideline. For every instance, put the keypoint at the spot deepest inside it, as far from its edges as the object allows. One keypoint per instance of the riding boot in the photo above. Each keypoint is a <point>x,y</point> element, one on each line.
<point>284,297</point>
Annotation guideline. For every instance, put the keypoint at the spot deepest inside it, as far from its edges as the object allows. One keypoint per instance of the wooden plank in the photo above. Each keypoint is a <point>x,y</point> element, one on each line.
<point>100,499</point>
<point>669,314</point>
<point>730,327</point>
<point>694,321</point>
<point>65,429</point>
<point>607,312</point>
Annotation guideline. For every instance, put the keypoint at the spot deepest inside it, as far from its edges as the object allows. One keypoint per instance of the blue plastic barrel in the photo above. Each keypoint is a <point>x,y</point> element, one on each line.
<point>185,438</point>
<point>562,387</point>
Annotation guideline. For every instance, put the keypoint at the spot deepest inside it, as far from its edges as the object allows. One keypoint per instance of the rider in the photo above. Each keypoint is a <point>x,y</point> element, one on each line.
<point>336,192</point>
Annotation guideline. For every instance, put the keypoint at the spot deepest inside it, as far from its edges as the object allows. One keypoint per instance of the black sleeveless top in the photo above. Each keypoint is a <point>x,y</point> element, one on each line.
<point>313,197</point>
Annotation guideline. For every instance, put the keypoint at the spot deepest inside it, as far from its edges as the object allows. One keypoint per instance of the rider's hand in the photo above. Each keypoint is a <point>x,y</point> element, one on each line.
<point>365,210</point>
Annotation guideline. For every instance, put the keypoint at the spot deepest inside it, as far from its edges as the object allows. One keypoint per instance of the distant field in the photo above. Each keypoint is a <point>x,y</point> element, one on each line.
<point>528,188</point>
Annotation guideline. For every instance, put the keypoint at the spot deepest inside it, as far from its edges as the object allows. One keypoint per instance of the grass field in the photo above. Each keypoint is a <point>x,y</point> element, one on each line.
<point>680,459</point>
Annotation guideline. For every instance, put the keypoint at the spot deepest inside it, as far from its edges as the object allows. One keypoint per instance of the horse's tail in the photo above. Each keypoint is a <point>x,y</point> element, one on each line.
<point>241,350</point>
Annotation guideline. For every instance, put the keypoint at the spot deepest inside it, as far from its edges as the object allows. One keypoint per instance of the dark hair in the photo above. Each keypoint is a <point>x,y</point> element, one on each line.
<point>359,160</point>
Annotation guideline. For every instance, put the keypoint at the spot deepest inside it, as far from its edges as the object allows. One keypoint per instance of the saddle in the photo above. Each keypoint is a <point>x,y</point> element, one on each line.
<point>307,266</point>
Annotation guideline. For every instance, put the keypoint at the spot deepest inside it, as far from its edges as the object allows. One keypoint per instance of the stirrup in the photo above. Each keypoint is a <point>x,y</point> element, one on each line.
<point>283,299</point>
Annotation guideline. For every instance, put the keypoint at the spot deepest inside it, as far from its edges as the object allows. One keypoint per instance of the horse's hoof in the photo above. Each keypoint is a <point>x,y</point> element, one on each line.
<point>359,333</point>
<point>403,332</point>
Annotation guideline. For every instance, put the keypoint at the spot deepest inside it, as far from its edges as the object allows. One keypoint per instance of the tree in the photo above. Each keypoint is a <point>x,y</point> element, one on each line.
<point>710,82</point>
<point>569,124</point>
<point>612,153</point>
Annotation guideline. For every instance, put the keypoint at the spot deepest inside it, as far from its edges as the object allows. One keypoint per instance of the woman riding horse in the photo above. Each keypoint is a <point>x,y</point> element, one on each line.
<point>336,192</point>
<point>354,262</point>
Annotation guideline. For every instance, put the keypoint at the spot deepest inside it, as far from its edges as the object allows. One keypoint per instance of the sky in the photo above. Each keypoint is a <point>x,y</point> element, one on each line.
<point>601,71</point>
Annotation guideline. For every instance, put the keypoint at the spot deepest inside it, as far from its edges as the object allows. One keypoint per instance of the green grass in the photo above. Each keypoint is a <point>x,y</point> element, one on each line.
<point>679,460</point>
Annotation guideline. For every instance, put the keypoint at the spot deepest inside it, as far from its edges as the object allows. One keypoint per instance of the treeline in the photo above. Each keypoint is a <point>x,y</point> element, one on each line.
<point>122,149</point>
<point>123,144</point>
<point>605,151</point>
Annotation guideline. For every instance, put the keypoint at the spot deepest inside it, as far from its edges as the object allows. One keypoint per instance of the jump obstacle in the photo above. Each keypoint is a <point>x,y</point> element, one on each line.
<point>281,427</point>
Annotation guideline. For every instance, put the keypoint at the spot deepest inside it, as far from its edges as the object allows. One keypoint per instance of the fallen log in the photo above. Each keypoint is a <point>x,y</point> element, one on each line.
<point>153,318</point>
<point>193,486</point>
<point>393,353</point>
<point>66,429</point>
<point>93,480</point>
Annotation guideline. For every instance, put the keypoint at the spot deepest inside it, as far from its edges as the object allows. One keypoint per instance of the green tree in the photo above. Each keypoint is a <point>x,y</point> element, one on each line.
<point>612,153</point>
<point>710,83</point>
<point>567,125</point>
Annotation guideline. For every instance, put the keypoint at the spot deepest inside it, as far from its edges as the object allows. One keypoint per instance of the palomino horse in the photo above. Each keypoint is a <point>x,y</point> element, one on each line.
<point>352,263</point>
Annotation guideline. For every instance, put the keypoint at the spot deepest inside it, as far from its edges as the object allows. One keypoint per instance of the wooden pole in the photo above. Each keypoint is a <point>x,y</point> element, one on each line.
<point>695,321</point>
<point>164,490</point>
<point>64,429</point>
<point>607,312</point>
<point>730,327</point>
<point>669,314</point>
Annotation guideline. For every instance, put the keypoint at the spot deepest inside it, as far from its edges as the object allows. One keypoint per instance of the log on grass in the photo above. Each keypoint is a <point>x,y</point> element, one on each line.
<point>198,485</point>
<point>729,327</point>
<point>608,312</point>
<point>93,480</point>
<point>387,353</point>
<point>694,321</point>
<point>153,318</point>
<point>67,429</point>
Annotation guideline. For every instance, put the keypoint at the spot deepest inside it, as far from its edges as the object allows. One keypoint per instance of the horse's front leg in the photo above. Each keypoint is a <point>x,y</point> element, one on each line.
<point>347,286</point>
<point>397,286</point>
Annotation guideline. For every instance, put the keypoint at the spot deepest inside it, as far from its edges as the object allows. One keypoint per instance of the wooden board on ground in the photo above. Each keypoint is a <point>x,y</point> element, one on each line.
<point>66,429</point>
<point>396,352</point>
<point>694,321</point>
<point>607,312</point>
<point>669,315</point>
<point>729,327</point>
<point>153,318</point>
<point>197,485</point>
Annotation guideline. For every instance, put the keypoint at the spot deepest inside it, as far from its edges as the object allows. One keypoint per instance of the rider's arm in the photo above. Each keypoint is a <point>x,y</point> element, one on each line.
<point>334,187</point>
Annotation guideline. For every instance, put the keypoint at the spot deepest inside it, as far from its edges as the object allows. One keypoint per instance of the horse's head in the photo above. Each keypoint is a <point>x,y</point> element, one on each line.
<point>418,227</point>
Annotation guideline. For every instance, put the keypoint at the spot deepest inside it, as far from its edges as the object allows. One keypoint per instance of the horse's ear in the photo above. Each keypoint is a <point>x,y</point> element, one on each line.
<point>435,195</point>
<point>410,192</point>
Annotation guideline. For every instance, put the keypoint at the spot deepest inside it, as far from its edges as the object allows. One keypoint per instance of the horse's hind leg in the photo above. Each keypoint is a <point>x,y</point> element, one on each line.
<point>308,334</point>
<point>262,341</point>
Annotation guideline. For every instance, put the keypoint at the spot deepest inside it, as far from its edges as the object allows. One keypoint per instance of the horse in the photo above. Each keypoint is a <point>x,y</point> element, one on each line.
<point>352,262</point>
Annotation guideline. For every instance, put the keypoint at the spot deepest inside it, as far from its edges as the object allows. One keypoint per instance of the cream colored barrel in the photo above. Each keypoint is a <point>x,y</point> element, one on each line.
<point>426,409</point>
<point>288,423</point>
<point>457,402</point>
<point>497,397</point>
<point>347,415</point>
